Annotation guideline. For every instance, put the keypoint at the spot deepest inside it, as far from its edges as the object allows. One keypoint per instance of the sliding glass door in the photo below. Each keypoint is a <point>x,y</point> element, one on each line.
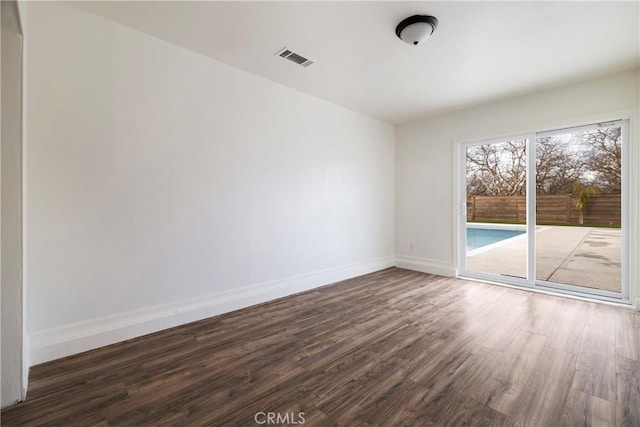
<point>547,210</point>
<point>579,209</point>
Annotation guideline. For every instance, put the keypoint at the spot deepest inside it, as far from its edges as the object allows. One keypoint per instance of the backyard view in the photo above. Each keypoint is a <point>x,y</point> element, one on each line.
<point>578,182</point>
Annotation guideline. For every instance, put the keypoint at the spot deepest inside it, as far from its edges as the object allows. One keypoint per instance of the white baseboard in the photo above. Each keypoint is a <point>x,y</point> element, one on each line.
<point>78,337</point>
<point>638,303</point>
<point>425,265</point>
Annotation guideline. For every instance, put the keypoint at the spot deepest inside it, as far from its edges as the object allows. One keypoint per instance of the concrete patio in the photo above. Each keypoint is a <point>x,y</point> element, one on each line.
<point>583,256</point>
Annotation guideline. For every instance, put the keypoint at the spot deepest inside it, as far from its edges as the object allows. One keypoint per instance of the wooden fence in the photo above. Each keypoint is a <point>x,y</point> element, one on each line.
<point>559,209</point>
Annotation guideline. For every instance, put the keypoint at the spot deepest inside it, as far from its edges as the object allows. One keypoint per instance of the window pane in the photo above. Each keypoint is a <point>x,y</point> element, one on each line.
<point>578,208</point>
<point>496,208</point>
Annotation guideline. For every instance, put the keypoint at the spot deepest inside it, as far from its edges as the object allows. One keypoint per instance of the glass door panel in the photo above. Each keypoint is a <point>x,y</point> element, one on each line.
<point>579,209</point>
<point>496,209</point>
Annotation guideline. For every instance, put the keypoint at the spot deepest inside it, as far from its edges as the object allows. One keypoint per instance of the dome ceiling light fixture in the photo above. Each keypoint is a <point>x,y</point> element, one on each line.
<point>416,29</point>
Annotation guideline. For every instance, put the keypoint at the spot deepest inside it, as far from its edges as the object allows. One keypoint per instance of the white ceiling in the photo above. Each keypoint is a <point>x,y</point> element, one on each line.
<point>481,51</point>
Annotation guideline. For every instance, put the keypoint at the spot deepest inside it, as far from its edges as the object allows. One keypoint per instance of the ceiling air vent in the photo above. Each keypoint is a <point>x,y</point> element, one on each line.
<point>294,57</point>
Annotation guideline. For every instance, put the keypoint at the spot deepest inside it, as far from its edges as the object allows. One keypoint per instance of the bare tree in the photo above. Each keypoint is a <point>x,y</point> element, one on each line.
<point>603,148</point>
<point>497,169</point>
<point>591,157</point>
<point>556,168</point>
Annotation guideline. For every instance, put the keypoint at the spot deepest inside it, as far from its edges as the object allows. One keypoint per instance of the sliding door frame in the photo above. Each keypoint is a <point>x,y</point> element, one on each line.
<point>624,222</point>
<point>629,153</point>
<point>461,223</point>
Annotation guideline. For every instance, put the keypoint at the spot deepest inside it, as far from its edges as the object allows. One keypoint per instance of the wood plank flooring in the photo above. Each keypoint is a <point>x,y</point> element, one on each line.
<point>392,348</point>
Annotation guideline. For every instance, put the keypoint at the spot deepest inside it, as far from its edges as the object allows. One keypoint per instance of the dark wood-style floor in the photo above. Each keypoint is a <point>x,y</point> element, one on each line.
<point>391,348</point>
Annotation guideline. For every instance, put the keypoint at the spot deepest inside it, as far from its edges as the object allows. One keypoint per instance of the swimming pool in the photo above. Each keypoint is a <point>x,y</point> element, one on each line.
<point>479,237</point>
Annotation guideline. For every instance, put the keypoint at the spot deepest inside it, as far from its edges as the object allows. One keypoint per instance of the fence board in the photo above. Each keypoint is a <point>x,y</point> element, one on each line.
<point>601,209</point>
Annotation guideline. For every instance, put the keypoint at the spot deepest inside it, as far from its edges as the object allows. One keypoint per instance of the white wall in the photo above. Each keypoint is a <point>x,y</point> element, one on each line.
<point>424,157</point>
<point>163,186</point>
<point>635,240</point>
<point>11,202</point>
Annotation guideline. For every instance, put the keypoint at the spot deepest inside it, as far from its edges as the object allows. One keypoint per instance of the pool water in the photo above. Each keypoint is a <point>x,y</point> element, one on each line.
<point>479,237</point>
